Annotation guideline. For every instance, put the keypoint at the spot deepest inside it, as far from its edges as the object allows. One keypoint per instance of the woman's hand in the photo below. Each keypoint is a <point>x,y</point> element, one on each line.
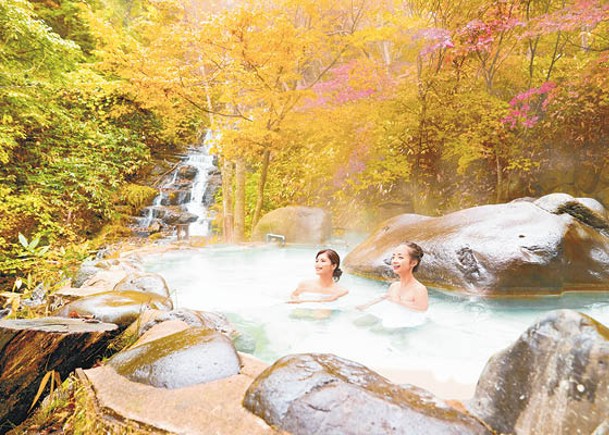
<point>372,302</point>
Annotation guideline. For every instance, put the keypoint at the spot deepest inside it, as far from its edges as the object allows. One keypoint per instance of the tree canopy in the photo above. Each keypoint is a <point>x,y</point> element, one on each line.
<point>346,105</point>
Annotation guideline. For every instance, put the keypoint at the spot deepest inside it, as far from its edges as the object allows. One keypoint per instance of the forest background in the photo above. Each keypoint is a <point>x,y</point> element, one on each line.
<point>355,106</point>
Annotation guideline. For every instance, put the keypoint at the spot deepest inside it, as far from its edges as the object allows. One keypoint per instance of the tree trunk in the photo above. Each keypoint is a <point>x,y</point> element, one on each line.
<point>499,187</point>
<point>240,200</point>
<point>266,158</point>
<point>29,349</point>
<point>227,200</point>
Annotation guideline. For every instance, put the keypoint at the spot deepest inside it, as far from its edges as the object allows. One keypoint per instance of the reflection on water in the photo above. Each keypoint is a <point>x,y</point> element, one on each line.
<point>251,285</point>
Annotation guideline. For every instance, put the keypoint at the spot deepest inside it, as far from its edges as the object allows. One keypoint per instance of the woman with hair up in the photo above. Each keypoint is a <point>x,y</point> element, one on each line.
<point>325,287</point>
<point>408,291</point>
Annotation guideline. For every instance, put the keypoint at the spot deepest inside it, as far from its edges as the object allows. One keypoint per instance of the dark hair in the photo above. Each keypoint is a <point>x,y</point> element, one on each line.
<point>416,253</point>
<point>334,259</point>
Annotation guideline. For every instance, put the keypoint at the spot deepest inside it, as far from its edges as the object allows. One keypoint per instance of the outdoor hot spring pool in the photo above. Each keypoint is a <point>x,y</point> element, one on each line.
<point>251,284</point>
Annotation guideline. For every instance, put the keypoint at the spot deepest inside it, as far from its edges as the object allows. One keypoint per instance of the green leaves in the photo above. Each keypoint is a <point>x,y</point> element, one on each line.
<point>31,247</point>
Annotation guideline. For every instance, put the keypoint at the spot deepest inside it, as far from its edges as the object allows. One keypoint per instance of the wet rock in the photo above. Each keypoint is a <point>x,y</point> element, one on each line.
<point>296,224</point>
<point>154,227</point>
<point>210,408</point>
<point>553,379</point>
<point>245,343</point>
<point>594,205</point>
<point>119,307</point>
<point>189,357</point>
<point>160,330</point>
<point>561,203</point>
<point>89,269</point>
<point>177,196</point>
<point>144,282</point>
<point>188,172</point>
<point>179,218</point>
<point>550,245</point>
<point>322,393</point>
<point>206,319</point>
<point>29,349</point>
<point>602,429</point>
<point>213,184</point>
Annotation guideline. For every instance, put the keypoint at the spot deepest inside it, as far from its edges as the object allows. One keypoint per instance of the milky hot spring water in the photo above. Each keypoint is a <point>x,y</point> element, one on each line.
<point>251,285</point>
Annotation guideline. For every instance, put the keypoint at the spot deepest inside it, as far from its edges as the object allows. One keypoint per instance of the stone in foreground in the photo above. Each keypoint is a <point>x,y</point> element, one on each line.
<point>322,393</point>
<point>210,408</point>
<point>29,349</point>
<point>189,357</point>
<point>553,379</point>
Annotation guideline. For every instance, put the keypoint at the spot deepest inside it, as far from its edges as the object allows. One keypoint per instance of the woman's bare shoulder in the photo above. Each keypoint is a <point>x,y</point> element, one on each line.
<point>341,290</point>
<point>393,287</point>
<point>420,287</point>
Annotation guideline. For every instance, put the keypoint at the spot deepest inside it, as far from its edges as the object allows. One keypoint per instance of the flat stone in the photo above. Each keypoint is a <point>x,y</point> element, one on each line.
<point>212,408</point>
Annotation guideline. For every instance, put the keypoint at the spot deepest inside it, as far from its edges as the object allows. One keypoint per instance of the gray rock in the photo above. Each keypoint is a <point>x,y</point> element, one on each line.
<point>188,172</point>
<point>550,245</point>
<point>119,307</point>
<point>553,379</point>
<point>206,319</point>
<point>88,269</point>
<point>176,218</point>
<point>189,357</point>
<point>296,224</point>
<point>144,282</point>
<point>322,393</point>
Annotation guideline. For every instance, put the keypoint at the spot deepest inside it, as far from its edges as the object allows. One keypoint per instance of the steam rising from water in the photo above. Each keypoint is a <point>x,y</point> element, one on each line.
<point>251,284</point>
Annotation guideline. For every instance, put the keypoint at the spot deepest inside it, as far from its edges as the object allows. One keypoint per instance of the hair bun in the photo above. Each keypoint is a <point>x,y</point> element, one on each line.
<point>337,273</point>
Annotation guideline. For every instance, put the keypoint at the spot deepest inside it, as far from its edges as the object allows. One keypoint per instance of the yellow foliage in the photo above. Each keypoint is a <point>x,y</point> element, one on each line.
<point>136,195</point>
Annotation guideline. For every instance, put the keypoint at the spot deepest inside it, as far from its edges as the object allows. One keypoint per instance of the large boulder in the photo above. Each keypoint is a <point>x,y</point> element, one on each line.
<point>296,224</point>
<point>322,393</point>
<point>35,348</point>
<point>189,357</point>
<point>550,245</point>
<point>553,379</point>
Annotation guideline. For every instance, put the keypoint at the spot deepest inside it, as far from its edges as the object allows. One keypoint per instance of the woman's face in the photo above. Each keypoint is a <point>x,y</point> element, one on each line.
<point>401,261</point>
<point>323,265</point>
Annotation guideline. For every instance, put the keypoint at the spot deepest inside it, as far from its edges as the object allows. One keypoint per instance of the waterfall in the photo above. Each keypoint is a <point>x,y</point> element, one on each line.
<point>204,163</point>
<point>185,194</point>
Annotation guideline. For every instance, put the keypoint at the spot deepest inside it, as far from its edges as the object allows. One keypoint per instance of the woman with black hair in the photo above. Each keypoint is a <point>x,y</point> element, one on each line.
<point>325,287</point>
<point>408,291</point>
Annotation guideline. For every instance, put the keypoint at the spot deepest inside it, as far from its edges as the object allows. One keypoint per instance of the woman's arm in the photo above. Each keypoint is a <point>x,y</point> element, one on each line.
<point>329,298</point>
<point>300,289</point>
<point>372,302</point>
<point>335,296</point>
